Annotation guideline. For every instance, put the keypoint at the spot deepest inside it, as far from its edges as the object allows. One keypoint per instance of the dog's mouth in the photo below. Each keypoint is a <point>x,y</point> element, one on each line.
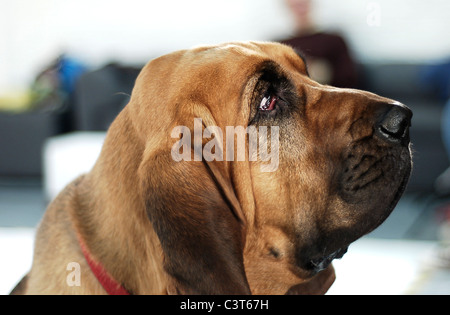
<point>321,263</point>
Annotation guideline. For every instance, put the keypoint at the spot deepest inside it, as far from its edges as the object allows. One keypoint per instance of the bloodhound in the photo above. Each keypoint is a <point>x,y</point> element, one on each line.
<point>142,222</point>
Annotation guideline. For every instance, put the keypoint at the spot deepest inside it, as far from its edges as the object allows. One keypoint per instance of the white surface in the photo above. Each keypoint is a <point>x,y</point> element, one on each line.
<point>16,248</point>
<point>378,267</point>
<point>68,156</point>
<point>371,266</point>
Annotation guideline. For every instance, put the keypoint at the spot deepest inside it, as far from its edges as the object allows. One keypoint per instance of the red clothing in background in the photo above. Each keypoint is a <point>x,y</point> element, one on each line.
<point>331,48</point>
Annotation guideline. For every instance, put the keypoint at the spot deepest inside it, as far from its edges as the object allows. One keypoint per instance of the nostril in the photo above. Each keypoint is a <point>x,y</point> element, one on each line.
<point>394,125</point>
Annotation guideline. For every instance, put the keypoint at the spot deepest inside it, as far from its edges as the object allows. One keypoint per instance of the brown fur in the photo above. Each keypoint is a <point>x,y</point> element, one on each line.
<point>161,227</point>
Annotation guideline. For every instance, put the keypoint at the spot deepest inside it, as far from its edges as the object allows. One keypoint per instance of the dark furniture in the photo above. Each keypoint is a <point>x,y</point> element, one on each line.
<point>21,139</point>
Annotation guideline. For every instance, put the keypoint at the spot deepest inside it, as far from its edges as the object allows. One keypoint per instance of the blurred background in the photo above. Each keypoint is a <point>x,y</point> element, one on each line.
<point>67,68</point>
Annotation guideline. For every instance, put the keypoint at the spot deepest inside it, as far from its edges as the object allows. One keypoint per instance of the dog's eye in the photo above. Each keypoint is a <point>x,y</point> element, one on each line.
<point>268,102</point>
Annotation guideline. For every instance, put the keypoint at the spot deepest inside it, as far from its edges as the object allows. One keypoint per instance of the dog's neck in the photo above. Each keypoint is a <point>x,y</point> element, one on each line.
<point>111,286</point>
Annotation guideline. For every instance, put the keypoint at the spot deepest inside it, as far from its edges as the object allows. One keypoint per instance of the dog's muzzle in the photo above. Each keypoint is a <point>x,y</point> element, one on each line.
<point>322,263</point>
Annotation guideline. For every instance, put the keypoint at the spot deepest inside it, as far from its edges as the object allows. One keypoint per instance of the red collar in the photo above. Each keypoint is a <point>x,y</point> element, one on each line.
<point>111,286</point>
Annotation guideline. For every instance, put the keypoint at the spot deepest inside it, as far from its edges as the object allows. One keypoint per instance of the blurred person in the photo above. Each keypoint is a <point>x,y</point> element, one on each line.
<point>442,184</point>
<point>328,56</point>
<point>436,78</point>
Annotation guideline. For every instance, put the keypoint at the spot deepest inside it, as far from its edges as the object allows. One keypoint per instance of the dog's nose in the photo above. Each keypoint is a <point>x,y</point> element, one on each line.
<point>394,124</point>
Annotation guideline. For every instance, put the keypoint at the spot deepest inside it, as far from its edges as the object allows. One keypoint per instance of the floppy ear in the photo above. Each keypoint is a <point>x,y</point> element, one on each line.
<point>201,237</point>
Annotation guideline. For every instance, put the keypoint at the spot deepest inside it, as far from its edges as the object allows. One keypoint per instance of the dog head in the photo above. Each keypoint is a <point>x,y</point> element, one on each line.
<point>339,160</point>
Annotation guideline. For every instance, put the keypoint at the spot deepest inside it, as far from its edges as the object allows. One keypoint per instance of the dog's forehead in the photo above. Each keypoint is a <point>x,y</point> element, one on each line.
<point>239,48</point>
<point>254,52</point>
